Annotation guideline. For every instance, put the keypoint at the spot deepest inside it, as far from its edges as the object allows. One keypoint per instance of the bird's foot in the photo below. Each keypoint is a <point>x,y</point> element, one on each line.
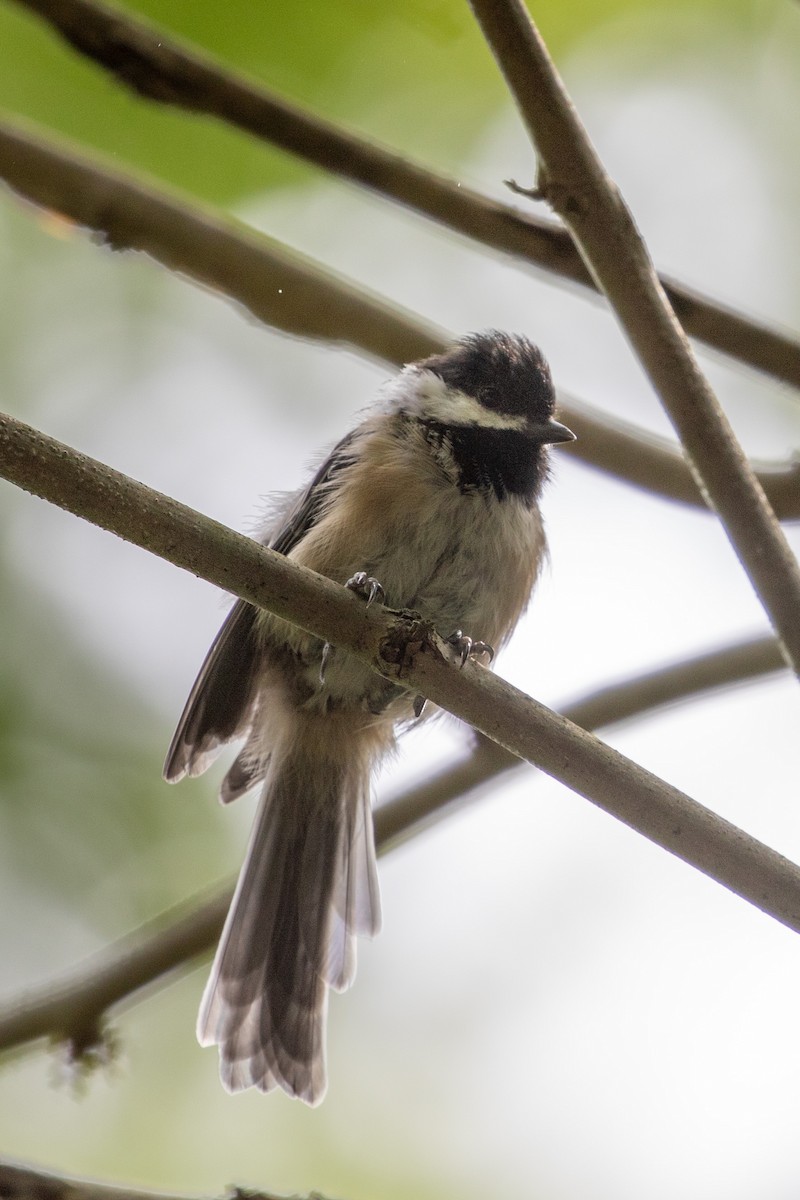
<point>467,648</point>
<point>365,586</point>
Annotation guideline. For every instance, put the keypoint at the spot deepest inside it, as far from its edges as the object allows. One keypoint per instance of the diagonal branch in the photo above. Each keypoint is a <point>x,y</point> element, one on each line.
<point>401,647</point>
<point>24,1183</point>
<point>293,294</point>
<point>651,463</point>
<point>417,808</point>
<point>73,1008</point>
<point>170,73</point>
<point>579,189</point>
<point>280,286</point>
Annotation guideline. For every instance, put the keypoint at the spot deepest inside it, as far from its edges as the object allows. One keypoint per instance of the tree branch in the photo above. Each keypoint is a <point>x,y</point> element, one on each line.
<point>72,1009</point>
<point>579,189</point>
<point>23,1183</point>
<point>290,293</point>
<point>404,648</point>
<point>169,73</point>
<point>651,463</point>
<point>278,285</point>
<point>417,808</point>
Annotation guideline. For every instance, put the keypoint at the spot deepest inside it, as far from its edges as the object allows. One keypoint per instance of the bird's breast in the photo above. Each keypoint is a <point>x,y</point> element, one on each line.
<point>463,559</point>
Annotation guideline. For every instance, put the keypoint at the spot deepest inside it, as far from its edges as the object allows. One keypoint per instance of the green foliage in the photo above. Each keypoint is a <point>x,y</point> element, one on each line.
<point>413,73</point>
<point>384,67</point>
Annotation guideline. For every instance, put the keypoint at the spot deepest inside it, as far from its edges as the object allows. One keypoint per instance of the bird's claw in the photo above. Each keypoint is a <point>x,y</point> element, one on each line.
<point>323,666</point>
<point>364,585</point>
<point>480,648</point>
<point>419,705</point>
<point>467,648</point>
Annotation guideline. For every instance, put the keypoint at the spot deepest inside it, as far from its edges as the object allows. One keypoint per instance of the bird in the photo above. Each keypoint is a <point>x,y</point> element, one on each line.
<point>429,504</point>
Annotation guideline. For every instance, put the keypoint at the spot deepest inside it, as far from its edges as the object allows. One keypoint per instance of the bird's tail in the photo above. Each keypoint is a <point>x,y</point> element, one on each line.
<point>308,887</point>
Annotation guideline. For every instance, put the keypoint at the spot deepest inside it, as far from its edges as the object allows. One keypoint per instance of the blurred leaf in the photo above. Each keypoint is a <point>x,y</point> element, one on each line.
<point>81,802</point>
<point>414,74</point>
<point>344,59</point>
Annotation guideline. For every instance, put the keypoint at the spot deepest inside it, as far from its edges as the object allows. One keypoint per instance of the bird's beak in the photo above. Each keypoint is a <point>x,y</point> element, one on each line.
<point>552,432</point>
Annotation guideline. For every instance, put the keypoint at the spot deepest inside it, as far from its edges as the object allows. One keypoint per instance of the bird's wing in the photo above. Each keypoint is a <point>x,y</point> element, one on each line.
<point>304,509</point>
<point>222,700</point>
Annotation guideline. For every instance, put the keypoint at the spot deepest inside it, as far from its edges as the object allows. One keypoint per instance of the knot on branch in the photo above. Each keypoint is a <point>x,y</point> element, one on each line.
<point>152,70</point>
<point>565,199</point>
<point>85,1049</point>
<point>408,636</point>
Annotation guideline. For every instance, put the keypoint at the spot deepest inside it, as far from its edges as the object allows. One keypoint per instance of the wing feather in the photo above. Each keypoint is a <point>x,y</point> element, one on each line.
<point>223,700</point>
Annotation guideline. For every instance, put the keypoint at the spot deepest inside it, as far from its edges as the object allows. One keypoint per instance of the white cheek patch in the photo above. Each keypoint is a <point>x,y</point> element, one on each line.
<point>430,397</point>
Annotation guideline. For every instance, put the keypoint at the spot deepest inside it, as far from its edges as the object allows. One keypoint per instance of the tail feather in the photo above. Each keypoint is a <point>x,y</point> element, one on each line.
<point>307,888</point>
<point>355,900</point>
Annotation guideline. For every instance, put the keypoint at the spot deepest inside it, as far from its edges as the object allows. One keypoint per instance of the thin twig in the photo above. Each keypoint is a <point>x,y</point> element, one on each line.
<point>403,648</point>
<point>73,1008</point>
<point>166,71</point>
<point>295,295</point>
<point>579,189</point>
<point>24,1183</point>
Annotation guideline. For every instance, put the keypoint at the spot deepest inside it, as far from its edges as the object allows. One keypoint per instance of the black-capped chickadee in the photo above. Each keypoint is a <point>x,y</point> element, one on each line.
<point>434,496</point>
